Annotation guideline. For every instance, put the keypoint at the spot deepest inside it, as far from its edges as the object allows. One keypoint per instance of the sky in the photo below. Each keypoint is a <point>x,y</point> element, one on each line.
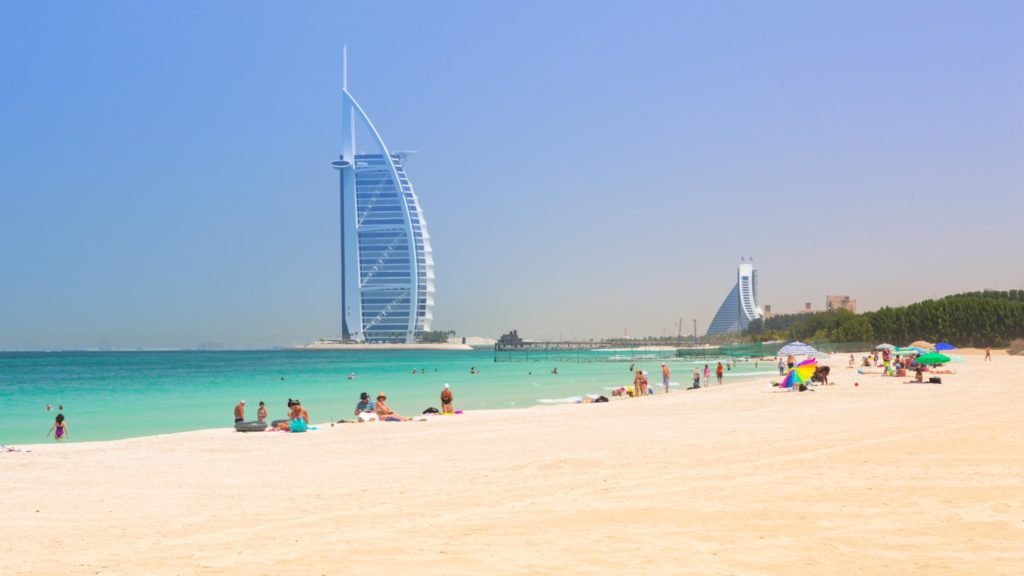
<point>586,169</point>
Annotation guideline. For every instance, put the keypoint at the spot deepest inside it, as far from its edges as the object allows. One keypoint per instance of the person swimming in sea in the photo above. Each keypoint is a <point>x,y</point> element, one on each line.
<point>59,428</point>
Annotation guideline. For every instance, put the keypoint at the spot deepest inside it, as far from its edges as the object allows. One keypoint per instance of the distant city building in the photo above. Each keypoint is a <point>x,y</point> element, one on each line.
<point>387,265</point>
<point>740,306</point>
<point>840,303</point>
<point>510,339</point>
<point>767,310</point>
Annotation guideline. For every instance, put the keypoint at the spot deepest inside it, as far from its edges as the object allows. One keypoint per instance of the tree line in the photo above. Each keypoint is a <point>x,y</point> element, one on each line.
<point>989,318</point>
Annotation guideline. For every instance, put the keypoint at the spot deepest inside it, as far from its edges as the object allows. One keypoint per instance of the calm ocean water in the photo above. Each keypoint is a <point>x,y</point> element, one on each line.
<point>111,395</point>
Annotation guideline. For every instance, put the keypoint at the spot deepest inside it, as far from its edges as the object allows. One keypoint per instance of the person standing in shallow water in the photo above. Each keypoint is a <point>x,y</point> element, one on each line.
<point>707,375</point>
<point>666,375</point>
<point>59,428</point>
<point>718,372</point>
<point>446,400</point>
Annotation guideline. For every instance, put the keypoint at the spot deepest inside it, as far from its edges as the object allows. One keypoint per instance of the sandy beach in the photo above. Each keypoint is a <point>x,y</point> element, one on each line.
<point>881,478</point>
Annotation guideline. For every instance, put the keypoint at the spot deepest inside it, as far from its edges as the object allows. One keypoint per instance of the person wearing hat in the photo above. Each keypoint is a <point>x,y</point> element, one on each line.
<point>446,400</point>
<point>666,375</point>
<point>240,411</point>
<point>366,411</point>
<point>385,413</point>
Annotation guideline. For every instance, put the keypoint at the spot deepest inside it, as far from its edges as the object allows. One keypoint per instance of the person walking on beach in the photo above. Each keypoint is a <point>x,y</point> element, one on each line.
<point>240,411</point>
<point>59,428</point>
<point>988,354</point>
<point>707,375</point>
<point>446,400</point>
<point>666,375</point>
<point>718,372</point>
<point>261,412</point>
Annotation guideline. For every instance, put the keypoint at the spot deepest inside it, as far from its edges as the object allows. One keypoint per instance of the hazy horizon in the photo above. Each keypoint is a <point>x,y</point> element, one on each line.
<point>584,170</point>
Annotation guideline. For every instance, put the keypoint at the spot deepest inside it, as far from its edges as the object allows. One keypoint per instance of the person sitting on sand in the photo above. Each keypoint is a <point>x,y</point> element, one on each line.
<point>366,411</point>
<point>299,418</point>
<point>385,413</point>
<point>240,411</point>
<point>261,412</point>
<point>446,400</point>
<point>59,428</point>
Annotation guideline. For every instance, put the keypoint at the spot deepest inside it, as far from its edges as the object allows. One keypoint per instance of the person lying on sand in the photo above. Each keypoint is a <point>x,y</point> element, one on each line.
<point>387,414</point>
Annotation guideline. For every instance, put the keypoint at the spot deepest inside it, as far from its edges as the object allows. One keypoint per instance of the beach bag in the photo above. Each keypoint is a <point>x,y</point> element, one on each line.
<point>600,399</point>
<point>431,410</point>
<point>934,380</point>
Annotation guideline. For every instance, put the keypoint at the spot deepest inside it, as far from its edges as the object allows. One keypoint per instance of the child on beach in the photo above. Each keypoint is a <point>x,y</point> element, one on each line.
<point>59,428</point>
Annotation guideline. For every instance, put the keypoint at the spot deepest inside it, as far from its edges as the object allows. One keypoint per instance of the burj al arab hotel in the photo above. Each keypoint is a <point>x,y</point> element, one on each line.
<point>387,265</point>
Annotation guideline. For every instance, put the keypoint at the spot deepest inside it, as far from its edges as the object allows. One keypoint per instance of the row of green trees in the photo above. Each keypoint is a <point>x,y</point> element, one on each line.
<point>990,318</point>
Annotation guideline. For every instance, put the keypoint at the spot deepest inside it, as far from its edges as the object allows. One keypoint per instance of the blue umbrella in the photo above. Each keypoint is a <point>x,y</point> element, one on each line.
<point>797,349</point>
<point>944,346</point>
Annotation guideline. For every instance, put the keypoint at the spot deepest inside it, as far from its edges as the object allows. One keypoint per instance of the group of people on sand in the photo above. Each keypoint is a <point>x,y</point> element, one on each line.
<point>297,418</point>
<point>641,385</point>
<point>367,410</point>
<point>374,411</point>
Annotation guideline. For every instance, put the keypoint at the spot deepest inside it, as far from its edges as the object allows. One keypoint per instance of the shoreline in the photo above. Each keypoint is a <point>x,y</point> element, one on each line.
<point>885,477</point>
<point>230,431</point>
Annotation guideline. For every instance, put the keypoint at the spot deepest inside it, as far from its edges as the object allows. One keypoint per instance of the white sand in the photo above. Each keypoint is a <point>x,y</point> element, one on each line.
<point>884,478</point>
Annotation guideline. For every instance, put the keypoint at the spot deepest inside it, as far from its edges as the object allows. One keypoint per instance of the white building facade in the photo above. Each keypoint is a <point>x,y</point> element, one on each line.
<point>387,265</point>
<point>740,306</point>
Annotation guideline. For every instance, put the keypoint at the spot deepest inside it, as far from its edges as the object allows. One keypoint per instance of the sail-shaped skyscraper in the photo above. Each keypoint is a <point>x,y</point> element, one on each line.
<point>387,265</point>
<point>740,305</point>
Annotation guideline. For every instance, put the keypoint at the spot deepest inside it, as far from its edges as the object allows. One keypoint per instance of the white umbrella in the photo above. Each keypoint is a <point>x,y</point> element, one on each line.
<point>798,349</point>
<point>888,347</point>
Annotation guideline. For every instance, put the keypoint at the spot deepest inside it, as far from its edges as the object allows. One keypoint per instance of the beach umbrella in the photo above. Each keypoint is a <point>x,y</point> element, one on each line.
<point>921,344</point>
<point>889,347</point>
<point>797,349</point>
<point>799,374</point>
<point>933,358</point>
<point>943,346</point>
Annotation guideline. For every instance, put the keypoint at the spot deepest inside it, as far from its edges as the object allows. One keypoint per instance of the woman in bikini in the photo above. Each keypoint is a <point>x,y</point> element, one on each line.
<point>385,413</point>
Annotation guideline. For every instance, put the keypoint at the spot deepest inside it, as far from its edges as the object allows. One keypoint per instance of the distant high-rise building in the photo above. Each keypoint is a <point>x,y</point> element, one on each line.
<point>740,306</point>
<point>833,303</point>
<point>387,265</point>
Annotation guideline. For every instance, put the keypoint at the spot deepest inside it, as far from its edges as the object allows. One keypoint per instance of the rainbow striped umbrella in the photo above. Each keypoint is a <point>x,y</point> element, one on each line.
<point>799,374</point>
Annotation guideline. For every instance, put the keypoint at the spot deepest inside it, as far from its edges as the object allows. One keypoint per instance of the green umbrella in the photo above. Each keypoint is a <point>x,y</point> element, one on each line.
<point>933,358</point>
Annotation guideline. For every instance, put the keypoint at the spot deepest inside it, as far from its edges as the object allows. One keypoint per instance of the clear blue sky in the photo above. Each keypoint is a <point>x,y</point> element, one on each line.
<point>584,167</point>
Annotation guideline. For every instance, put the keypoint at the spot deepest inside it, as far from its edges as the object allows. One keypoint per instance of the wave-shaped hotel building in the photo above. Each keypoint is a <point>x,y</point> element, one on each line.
<point>387,265</point>
<point>740,306</point>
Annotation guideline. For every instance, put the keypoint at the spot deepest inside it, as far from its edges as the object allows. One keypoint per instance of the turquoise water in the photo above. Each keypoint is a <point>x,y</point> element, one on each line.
<point>111,395</point>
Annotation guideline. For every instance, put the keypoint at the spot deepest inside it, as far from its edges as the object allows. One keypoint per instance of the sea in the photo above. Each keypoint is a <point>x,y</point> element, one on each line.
<point>114,395</point>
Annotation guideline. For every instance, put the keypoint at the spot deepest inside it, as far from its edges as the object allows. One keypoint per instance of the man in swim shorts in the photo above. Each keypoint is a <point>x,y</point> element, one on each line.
<point>665,376</point>
<point>240,411</point>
